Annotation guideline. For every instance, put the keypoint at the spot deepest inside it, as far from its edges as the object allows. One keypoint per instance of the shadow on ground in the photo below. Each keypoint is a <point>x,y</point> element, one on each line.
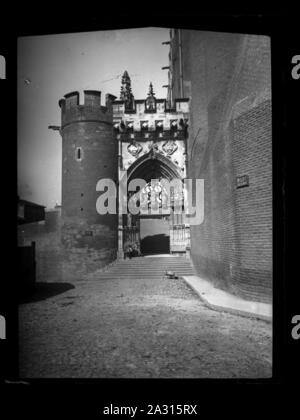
<point>44,291</point>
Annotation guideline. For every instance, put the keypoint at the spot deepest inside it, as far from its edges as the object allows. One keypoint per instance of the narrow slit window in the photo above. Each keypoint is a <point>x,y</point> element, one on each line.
<point>78,153</point>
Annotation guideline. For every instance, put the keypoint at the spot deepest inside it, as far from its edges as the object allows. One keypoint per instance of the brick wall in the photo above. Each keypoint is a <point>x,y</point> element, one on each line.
<point>252,154</point>
<point>54,261</point>
<point>48,251</point>
<point>229,80</point>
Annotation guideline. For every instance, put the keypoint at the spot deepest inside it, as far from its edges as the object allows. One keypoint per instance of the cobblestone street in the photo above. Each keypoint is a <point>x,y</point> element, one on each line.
<point>138,328</point>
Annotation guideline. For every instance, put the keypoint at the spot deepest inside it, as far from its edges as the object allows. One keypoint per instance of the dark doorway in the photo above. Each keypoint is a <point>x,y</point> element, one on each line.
<point>155,235</point>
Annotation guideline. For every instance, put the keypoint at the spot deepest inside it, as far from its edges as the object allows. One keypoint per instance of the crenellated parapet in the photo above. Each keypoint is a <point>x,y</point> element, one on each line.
<point>91,110</point>
<point>128,135</point>
<point>144,125</point>
<point>181,105</point>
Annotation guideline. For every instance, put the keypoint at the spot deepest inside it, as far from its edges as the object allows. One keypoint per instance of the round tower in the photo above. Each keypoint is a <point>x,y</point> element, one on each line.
<point>89,153</point>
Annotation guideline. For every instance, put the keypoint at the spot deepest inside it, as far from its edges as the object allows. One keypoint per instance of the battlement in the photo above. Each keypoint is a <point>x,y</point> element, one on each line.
<point>181,105</point>
<point>146,127</point>
<point>91,110</point>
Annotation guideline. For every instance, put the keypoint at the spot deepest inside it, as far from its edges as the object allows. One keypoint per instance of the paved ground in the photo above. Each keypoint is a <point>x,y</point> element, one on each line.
<point>137,328</point>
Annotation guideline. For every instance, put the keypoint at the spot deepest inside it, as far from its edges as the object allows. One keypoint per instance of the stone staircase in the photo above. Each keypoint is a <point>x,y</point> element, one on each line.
<point>146,267</point>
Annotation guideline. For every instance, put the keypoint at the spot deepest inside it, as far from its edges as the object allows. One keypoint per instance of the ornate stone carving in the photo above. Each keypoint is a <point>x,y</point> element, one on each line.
<point>150,104</point>
<point>169,147</point>
<point>126,92</point>
<point>153,147</point>
<point>134,149</point>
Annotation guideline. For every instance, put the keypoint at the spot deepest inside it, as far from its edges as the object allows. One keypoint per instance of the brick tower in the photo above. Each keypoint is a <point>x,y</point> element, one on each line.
<point>89,153</point>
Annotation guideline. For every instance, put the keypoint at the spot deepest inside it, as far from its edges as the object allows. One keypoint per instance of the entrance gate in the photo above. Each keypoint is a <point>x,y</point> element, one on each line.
<point>158,235</point>
<point>167,232</point>
<point>179,234</point>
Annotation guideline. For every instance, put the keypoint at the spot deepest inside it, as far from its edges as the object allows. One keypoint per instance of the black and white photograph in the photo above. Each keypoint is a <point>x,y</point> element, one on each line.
<point>145,204</point>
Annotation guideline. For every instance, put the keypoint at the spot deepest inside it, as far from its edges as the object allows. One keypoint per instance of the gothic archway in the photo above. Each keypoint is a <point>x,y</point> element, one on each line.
<point>154,233</point>
<point>152,165</point>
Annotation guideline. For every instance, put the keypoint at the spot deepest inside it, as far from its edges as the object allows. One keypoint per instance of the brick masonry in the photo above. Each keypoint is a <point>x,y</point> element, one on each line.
<point>228,79</point>
<point>90,153</point>
<point>48,251</point>
<point>55,262</point>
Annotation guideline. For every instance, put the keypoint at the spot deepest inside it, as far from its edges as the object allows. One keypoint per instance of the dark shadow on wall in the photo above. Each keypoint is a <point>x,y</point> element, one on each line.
<point>155,244</point>
<point>44,291</point>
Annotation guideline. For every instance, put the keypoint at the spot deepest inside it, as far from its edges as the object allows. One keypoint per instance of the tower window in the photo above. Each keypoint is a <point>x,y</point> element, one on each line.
<point>78,153</point>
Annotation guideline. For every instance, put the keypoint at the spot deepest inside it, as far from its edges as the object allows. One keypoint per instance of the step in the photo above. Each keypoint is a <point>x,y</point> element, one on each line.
<point>141,276</point>
<point>146,268</point>
<point>137,275</point>
<point>151,271</point>
<point>151,268</point>
<point>139,272</point>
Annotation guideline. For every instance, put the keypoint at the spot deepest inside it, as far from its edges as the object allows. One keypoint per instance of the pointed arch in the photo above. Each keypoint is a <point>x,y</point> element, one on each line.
<point>153,165</point>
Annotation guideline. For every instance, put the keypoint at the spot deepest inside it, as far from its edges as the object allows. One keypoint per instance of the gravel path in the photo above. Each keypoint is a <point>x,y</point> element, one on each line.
<point>138,328</point>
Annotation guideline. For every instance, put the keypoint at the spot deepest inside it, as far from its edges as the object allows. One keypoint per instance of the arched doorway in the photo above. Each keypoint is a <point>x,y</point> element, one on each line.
<point>155,234</point>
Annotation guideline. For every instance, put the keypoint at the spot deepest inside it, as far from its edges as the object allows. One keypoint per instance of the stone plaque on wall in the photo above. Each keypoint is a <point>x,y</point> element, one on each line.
<point>242,181</point>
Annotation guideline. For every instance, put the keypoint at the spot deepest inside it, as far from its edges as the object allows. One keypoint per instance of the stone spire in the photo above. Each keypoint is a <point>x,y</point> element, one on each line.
<point>150,101</point>
<point>126,91</point>
<point>151,93</point>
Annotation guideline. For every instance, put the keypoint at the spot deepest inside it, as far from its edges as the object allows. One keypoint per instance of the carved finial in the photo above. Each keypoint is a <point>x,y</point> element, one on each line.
<point>151,93</point>
<point>150,101</point>
<point>126,92</point>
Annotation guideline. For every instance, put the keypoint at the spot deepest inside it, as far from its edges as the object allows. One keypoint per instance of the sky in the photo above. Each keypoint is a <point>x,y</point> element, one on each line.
<point>53,65</point>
